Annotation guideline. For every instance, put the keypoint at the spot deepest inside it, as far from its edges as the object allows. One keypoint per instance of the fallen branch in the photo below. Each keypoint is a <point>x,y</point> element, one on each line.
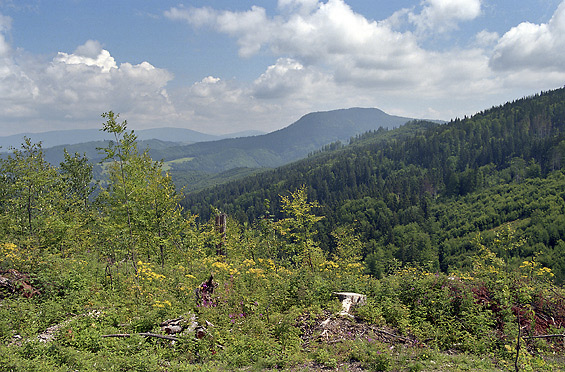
<point>145,334</point>
<point>390,334</point>
<point>117,335</point>
<point>544,336</point>
<point>164,337</point>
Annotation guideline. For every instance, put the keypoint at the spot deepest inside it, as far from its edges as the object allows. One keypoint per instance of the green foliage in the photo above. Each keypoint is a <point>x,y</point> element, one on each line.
<point>141,203</point>
<point>372,355</point>
<point>275,282</point>
<point>29,193</point>
<point>326,358</point>
<point>76,173</point>
<point>298,228</point>
<point>419,193</point>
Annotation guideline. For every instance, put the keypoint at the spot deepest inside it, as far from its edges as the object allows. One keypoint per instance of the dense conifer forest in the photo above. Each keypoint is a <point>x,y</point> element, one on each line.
<point>419,194</point>
<point>450,235</point>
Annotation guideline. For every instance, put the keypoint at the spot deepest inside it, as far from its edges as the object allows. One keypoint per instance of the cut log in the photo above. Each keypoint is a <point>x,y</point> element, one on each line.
<point>177,325</point>
<point>171,321</point>
<point>172,329</point>
<point>12,281</point>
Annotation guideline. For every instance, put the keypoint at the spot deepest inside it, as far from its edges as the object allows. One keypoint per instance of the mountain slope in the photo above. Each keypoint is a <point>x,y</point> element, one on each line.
<point>54,155</point>
<point>405,196</point>
<point>211,156</point>
<point>308,134</point>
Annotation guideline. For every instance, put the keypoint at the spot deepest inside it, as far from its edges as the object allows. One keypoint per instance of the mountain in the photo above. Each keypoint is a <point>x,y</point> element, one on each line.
<point>55,154</point>
<point>424,196</point>
<point>296,141</point>
<point>208,162</point>
<point>215,154</point>
<point>78,136</point>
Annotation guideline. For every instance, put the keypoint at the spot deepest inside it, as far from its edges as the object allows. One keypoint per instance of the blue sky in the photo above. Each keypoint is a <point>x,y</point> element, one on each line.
<point>220,66</point>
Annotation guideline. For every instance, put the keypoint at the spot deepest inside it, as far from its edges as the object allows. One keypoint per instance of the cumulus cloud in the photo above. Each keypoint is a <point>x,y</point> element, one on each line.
<point>103,60</point>
<point>76,87</point>
<point>213,105</point>
<point>486,38</point>
<point>90,77</point>
<point>16,87</point>
<point>331,39</point>
<point>287,78</point>
<point>327,33</point>
<point>91,49</point>
<point>324,56</point>
<point>533,46</point>
<point>302,6</point>
<point>251,27</point>
<point>328,56</point>
<point>305,33</point>
<point>445,15</point>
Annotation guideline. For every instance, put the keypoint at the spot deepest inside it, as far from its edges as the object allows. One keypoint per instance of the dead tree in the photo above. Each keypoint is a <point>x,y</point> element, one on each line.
<point>221,224</point>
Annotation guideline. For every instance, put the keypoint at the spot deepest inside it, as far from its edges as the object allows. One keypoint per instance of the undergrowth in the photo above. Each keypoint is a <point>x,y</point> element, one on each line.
<point>259,312</point>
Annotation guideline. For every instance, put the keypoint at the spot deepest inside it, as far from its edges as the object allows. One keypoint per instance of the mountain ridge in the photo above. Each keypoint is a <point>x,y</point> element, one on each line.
<point>55,138</point>
<point>425,196</point>
<point>307,134</point>
<point>208,159</point>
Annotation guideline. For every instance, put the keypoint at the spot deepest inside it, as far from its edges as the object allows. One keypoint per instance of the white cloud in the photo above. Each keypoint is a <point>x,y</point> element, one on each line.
<point>287,78</point>
<point>532,46</point>
<point>329,45</point>
<point>213,105</point>
<point>17,89</point>
<point>94,82</point>
<point>103,60</point>
<point>302,6</point>
<point>486,39</point>
<point>73,89</point>
<point>324,56</point>
<point>251,27</point>
<point>90,49</point>
<point>328,33</point>
<point>195,16</point>
<point>444,15</point>
<point>328,56</point>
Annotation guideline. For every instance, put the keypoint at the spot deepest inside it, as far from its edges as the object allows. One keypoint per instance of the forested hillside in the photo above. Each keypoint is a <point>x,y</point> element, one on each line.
<point>200,165</point>
<point>406,195</point>
<point>454,263</point>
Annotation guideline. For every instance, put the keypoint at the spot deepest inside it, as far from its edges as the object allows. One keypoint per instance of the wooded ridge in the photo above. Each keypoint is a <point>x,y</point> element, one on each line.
<point>421,195</point>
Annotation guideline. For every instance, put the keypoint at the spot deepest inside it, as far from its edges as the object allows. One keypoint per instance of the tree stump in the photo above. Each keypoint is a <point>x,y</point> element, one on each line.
<point>349,299</point>
<point>205,291</point>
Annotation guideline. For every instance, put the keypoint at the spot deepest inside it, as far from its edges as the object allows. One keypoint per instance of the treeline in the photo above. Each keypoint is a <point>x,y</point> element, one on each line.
<point>44,208</point>
<point>405,189</point>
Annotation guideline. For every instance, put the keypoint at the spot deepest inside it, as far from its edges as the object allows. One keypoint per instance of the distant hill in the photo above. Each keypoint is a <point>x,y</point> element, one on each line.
<point>77,136</point>
<point>211,160</point>
<point>294,142</point>
<point>54,155</point>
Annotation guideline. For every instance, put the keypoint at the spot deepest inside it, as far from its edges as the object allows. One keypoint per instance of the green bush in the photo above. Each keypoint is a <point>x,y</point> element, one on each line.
<point>372,355</point>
